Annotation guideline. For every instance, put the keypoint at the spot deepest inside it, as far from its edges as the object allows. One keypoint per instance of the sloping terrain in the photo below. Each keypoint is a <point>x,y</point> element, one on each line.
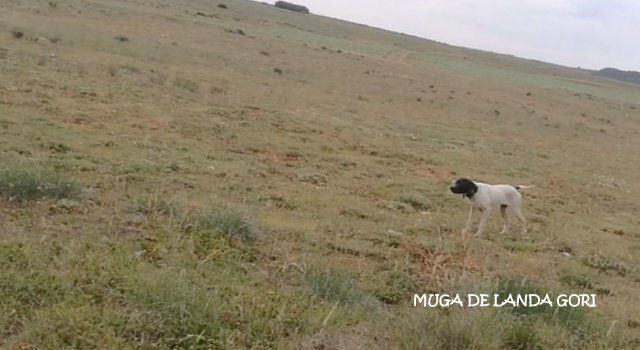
<point>175,174</point>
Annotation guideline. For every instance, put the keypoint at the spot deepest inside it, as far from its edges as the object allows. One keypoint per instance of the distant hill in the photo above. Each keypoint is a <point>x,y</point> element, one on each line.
<point>612,73</point>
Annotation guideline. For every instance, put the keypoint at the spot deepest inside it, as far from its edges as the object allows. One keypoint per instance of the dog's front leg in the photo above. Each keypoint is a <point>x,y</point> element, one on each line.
<point>483,221</point>
<point>468,226</point>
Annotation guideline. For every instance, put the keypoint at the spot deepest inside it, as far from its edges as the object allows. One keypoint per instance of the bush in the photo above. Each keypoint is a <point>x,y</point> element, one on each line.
<point>291,7</point>
<point>27,185</point>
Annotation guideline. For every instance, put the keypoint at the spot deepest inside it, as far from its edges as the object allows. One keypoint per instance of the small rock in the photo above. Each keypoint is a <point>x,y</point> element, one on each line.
<point>395,233</point>
<point>65,206</point>
<point>633,324</point>
<point>43,41</point>
<point>223,6</point>
<point>18,34</point>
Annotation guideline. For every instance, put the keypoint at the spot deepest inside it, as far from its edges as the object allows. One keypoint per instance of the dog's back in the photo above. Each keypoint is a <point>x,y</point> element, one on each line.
<point>499,195</point>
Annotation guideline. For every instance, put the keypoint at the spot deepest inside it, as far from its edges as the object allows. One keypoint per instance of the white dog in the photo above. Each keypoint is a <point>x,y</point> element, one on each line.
<point>486,197</point>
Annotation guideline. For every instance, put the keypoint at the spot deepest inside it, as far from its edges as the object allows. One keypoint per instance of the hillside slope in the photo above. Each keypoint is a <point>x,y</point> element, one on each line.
<point>175,174</point>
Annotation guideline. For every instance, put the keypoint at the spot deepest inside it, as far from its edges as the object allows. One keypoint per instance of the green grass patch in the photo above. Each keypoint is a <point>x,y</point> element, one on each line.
<point>224,223</point>
<point>68,326</point>
<point>605,263</point>
<point>333,286</point>
<point>170,310</point>
<point>455,330</point>
<point>33,184</point>
<point>415,202</point>
<point>573,318</point>
<point>520,246</point>
<point>397,286</point>
<point>154,205</point>
<point>576,281</point>
<point>186,84</point>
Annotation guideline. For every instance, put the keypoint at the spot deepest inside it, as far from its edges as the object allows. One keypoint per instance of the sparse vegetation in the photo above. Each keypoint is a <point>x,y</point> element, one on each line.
<point>186,84</point>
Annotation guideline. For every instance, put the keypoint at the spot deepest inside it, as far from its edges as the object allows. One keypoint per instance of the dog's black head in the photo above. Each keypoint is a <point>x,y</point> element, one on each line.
<point>464,187</point>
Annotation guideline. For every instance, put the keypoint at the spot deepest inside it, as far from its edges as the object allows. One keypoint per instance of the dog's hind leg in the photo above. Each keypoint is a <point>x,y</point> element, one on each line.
<point>507,224</point>
<point>518,212</point>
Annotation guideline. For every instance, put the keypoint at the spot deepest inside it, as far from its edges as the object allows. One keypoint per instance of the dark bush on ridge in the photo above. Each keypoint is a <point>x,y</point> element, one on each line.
<point>291,7</point>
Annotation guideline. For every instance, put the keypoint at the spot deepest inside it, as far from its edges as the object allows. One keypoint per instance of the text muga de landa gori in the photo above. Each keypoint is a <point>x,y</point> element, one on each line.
<point>504,300</point>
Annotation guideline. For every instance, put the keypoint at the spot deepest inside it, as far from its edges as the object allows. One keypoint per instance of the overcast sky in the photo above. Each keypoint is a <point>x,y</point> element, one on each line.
<point>586,33</point>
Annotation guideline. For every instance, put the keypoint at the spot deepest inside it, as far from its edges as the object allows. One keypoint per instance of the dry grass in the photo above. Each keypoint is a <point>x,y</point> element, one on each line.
<point>441,268</point>
<point>338,168</point>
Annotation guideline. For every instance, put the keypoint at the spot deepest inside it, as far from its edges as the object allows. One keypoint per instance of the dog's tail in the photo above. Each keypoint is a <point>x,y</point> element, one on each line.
<point>522,187</point>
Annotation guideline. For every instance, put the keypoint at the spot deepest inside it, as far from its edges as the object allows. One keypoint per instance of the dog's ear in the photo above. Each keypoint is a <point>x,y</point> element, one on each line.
<point>472,190</point>
<point>468,187</point>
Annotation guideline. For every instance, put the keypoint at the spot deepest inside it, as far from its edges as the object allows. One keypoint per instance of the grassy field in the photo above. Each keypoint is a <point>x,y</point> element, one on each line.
<point>174,174</point>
